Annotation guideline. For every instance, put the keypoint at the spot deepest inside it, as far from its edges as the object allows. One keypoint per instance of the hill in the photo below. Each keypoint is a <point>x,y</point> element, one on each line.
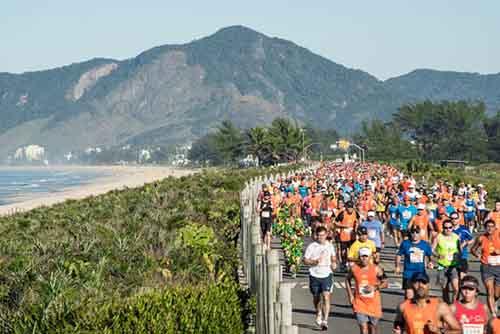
<point>176,93</point>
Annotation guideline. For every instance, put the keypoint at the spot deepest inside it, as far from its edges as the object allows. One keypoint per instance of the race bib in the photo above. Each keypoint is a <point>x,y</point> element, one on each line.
<point>348,230</point>
<point>450,257</point>
<point>372,234</point>
<point>266,214</point>
<point>417,256</point>
<point>406,214</point>
<point>470,208</point>
<point>472,329</point>
<point>393,216</point>
<point>364,293</point>
<point>494,260</point>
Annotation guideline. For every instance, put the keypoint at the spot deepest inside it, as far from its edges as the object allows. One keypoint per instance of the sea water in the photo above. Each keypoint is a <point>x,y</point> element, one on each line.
<point>24,182</point>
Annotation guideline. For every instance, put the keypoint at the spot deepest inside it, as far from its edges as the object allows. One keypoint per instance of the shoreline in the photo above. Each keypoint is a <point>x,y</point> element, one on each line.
<point>119,177</point>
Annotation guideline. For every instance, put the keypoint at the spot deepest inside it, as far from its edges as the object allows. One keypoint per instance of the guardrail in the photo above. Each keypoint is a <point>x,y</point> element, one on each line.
<point>262,269</point>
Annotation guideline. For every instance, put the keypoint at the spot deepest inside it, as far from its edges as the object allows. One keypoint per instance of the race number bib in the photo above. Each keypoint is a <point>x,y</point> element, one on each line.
<point>470,208</point>
<point>450,257</point>
<point>406,214</point>
<point>417,256</point>
<point>266,214</point>
<point>363,292</point>
<point>494,260</point>
<point>472,329</point>
<point>372,234</point>
<point>394,216</point>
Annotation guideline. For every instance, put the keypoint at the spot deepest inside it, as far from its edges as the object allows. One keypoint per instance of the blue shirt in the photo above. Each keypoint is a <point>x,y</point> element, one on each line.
<point>303,191</point>
<point>406,214</point>
<point>393,214</point>
<point>414,256</point>
<point>374,228</point>
<point>464,234</point>
<point>449,209</point>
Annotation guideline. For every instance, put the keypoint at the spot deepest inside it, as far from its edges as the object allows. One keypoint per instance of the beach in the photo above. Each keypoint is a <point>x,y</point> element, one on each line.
<point>116,177</point>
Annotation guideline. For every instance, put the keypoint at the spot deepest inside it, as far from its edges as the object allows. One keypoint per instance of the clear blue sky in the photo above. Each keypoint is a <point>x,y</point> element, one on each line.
<point>385,38</point>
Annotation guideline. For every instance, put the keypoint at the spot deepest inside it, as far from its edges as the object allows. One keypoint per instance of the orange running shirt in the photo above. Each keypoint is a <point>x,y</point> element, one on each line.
<point>417,317</point>
<point>366,303</point>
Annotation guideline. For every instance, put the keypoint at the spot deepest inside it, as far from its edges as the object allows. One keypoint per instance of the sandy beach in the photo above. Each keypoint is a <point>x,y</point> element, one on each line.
<point>118,177</point>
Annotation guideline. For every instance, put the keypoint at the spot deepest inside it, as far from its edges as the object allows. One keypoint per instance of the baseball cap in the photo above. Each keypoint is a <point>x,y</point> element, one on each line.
<point>469,284</point>
<point>480,185</point>
<point>371,214</point>
<point>421,206</point>
<point>364,251</point>
<point>362,230</point>
<point>420,276</point>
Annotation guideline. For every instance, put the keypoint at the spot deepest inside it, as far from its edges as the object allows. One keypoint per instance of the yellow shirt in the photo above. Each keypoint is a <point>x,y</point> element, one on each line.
<point>353,252</point>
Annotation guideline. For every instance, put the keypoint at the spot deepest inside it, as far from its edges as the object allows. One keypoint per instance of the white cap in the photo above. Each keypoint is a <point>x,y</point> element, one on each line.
<point>421,206</point>
<point>480,185</point>
<point>371,214</point>
<point>365,251</point>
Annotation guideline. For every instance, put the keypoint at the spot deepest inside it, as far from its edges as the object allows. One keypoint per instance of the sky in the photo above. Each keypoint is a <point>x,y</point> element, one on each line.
<point>386,38</point>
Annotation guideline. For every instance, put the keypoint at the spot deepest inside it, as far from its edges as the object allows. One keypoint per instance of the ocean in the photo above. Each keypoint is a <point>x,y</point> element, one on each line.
<point>16,182</point>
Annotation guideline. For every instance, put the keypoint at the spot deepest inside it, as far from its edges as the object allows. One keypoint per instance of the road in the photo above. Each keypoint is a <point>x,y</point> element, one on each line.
<point>341,319</point>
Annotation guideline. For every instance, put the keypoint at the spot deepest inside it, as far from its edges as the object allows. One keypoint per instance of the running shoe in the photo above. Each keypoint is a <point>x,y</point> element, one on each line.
<point>324,325</point>
<point>318,320</point>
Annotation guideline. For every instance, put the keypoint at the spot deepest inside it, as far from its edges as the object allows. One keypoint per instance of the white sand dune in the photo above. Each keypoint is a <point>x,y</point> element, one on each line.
<point>118,177</point>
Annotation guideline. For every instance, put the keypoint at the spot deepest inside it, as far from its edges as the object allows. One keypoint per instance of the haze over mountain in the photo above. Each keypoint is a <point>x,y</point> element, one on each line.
<point>175,93</point>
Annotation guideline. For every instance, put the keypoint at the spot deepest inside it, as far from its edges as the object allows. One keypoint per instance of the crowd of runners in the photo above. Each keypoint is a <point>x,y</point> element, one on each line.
<point>350,209</point>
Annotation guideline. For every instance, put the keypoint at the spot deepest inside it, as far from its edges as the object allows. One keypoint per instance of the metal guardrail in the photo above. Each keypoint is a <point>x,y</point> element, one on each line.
<point>262,269</point>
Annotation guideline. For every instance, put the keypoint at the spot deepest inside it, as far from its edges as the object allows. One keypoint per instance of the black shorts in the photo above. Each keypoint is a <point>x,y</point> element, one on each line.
<point>344,245</point>
<point>319,285</point>
<point>265,225</point>
<point>406,283</point>
<point>463,266</point>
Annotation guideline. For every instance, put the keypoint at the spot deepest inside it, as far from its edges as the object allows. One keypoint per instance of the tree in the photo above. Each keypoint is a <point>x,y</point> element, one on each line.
<point>384,141</point>
<point>257,143</point>
<point>492,129</point>
<point>229,141</point>
<point>286,140</point>
<point>446,130</point>
<point>205,150</point>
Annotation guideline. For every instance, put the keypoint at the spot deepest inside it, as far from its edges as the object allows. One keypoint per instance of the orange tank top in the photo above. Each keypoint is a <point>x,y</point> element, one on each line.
<point>488,247</point>
<point>368,303</point>
<point>422,222</point>
<point>495,216</point>
<point>348,222</point>
<point>495,326</point>
<point>417,317</point>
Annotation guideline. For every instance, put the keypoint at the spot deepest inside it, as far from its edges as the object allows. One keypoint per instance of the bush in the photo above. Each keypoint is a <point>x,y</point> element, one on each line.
<point>57,263</point>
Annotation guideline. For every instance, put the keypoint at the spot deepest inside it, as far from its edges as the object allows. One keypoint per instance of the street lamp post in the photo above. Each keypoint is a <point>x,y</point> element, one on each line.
<point>345,145</point>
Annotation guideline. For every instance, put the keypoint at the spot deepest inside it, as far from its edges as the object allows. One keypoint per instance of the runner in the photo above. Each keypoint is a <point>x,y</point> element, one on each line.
<point>394,223</point>
<point>423,314</point>
<point>446,248</point>
<point>489,244</point>
<point>406,211</point>
<point>266,218</point>
<point>375,233</point>
<point>346,223</point>
<point>495,214</point>
<point>416,255</point>
<point>366,301</point>
<point>466,239</point>
<point>421,219</point>
<point>320,255</point>
<point>362,242</point>
<point>494,324</point>
<point>469,311</point>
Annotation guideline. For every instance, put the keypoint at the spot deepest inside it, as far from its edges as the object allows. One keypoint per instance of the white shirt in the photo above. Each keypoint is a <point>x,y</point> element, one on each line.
<point>323,253</point>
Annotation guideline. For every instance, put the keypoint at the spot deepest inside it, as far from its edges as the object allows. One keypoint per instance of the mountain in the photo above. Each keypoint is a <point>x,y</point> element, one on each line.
<point>175,93</point>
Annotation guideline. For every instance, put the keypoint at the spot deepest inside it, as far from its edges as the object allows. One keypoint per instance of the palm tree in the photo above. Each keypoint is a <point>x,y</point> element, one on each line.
<point>286,139</point>
<point>257,144</point>
<point>229,141</point>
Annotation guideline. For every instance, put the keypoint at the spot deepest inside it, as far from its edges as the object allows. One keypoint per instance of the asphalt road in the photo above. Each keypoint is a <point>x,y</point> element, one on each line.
<point>341,319</point>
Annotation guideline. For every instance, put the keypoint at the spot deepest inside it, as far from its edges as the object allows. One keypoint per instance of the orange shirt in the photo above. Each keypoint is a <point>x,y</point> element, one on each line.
<point>495,326</point>
<point>488,247</point>
<point>495,216</point>
<point>366,303</point>
<point>422,221</point>
<point>349,223</point>
<point>416,317</point>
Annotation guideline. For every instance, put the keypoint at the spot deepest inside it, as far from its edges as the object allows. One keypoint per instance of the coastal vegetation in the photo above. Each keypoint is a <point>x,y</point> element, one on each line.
<point>161,258</point>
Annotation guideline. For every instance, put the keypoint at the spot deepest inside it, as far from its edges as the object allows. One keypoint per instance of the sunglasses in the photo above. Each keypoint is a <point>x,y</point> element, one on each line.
<point>421,281</point>
<point>468,288</point>
<point>447,227</point>
<point>415,232</point>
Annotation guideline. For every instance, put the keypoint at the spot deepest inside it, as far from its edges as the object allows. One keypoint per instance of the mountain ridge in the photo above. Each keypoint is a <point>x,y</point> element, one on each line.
<point>174,93</point>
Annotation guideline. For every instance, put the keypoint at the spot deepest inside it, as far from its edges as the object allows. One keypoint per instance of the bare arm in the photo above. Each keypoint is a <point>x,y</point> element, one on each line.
<point>348,287</point>
<point>399,322</point>
<point>446,315</point>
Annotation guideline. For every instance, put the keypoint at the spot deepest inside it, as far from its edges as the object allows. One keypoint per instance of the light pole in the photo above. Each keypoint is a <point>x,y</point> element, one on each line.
<point>344,144</point>
<point>362,151</point>
<point>303,156</point>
